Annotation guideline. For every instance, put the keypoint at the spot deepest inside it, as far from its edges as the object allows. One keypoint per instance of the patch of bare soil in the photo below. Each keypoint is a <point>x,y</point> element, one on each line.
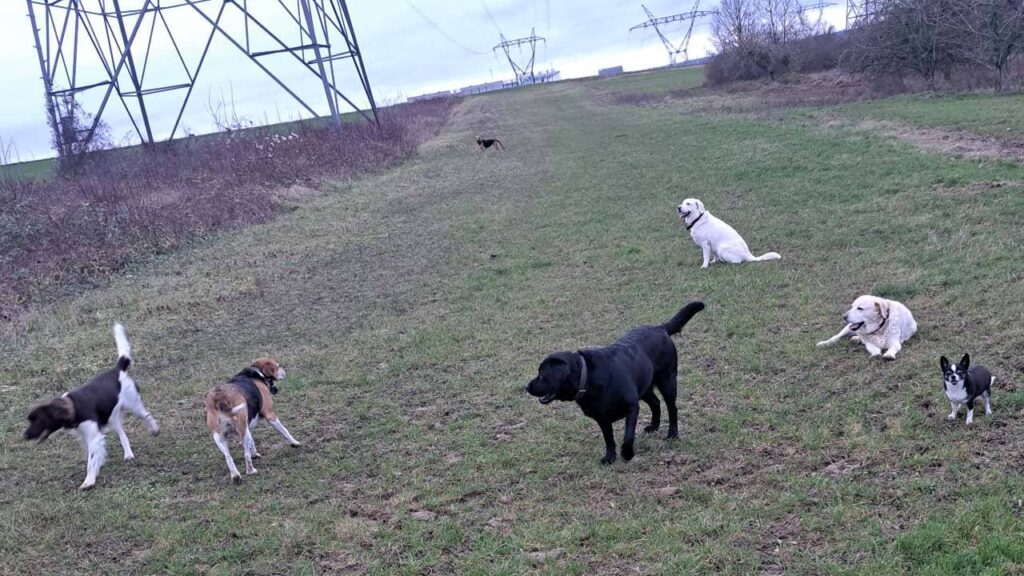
<point>294,195</point>
<point>975,188</point>
<point>955,143</point>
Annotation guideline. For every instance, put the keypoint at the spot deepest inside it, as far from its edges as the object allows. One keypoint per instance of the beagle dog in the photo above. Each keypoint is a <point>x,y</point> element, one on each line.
<point>234,407</point>
<point>90,410</point>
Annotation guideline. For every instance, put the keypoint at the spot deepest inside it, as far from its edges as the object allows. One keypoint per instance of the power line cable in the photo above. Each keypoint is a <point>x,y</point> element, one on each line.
<point>441,31</point>
<point>491,16</point>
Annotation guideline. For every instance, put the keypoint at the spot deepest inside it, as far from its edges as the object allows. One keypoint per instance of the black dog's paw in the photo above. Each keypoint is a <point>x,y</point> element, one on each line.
<point>672,434</point>
<point>627,452</point>
<point>651,428</point>
<point>608,459</point>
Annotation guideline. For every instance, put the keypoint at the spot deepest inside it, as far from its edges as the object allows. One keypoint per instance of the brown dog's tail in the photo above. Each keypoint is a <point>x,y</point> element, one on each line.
<point>677,322</point>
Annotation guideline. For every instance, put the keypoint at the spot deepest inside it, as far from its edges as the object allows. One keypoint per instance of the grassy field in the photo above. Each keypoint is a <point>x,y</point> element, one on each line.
<point>982,114</point>
<point>411,308</point>
<point>653,81</point>
<point>35,170</point>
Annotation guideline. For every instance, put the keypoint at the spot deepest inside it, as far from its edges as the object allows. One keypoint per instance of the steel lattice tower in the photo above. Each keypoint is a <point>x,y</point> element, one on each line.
<point>860,11</point>
<point>106,46</point>
<point>656,23</point>
<point>521,71</point>
<point>819,6</point>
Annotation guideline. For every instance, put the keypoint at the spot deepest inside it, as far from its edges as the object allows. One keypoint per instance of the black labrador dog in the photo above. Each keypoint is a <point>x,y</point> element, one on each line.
<point>608,383</point>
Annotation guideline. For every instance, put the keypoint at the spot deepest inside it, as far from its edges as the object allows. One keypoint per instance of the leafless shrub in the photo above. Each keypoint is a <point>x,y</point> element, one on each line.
<point>77,134</point>
<point>756,39</point>
<point>989,32</point>
<point>941,39</point>
<point>819,52</point>
<point>224,114</point>
<point>910,36</point>
<point>118,205</point>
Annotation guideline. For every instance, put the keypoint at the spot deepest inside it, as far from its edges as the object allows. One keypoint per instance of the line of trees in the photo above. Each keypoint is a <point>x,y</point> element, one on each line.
<point>900,38</point>
<point>768,39</point>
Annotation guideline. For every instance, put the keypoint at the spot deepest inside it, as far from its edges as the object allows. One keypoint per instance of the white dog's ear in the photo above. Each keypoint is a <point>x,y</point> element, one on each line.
<point>699,204</point>
<point>883,308</point>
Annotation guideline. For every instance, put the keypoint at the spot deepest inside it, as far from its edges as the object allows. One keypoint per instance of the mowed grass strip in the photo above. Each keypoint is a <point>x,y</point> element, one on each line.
<point>411,308</point>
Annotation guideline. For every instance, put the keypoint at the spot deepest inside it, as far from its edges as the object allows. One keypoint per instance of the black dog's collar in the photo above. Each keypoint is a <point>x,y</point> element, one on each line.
<point>254,372</point>
<point>880,326</point>
<point>582,390</point>
<point>694,223</point>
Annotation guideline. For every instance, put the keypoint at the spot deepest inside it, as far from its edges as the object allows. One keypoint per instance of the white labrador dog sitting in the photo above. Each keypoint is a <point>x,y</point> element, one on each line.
<point>877,323</point>
<point>718,240</point>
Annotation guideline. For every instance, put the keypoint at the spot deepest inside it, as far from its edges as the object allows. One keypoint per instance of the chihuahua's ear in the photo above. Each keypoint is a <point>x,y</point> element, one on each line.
<point>944,363</point>
<point>965,361</point>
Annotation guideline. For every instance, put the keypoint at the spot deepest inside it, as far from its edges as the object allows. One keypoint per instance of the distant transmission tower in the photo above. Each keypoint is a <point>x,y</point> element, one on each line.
<point>819,6</point>
<point>859,12</point>
<point>523,72</point>
<point>656,23</point>
<point>104,47</point>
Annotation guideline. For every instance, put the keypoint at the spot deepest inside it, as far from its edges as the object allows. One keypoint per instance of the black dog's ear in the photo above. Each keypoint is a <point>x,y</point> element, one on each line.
<point>966,361</point>
<point>555,362</point>
<point>944,363</point>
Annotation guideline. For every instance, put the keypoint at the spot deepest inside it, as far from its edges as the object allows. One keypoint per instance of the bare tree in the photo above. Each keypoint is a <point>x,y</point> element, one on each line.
<point>783,21</point>
<point>735,24</point>
<point>992,33</point>
<point>912,36</point>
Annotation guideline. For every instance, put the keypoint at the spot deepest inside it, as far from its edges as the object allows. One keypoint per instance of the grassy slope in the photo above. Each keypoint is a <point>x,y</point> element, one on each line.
<point>35,169</point>
<point>657,81</point>
<point>411,308</point>
<point>997,116</point>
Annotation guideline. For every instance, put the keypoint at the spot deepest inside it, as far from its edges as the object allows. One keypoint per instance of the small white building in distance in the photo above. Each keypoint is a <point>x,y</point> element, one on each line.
<point>431,96</point>
<point>480,88</point>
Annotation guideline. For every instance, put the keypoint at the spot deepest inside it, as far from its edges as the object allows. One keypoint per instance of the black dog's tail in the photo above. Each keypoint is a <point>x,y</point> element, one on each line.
<point>677,322</point>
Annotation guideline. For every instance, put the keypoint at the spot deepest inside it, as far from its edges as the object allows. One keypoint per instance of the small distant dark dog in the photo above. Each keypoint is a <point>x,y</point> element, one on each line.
<point>608,383</point>
<point>485,143</point>
<point>89,409</point>
<point>233,408</point>
<point>963,383</point>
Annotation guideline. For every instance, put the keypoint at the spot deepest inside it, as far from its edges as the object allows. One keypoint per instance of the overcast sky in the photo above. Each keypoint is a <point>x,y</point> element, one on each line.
<point>409,47</point>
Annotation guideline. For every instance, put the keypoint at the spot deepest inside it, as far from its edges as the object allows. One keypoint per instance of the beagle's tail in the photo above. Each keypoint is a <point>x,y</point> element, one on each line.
<point>677,322</point>
<point>220,401</point>
<point>124,348</point>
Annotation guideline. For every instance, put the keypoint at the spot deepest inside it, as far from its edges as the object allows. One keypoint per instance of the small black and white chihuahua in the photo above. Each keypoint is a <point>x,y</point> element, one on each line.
<point>963,383</point>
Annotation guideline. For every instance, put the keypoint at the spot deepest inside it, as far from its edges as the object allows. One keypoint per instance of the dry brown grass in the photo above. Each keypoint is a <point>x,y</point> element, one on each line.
<point>112,207</point>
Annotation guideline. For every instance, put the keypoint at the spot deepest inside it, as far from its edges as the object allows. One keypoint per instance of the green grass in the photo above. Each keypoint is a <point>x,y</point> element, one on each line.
<point>411,308</point>
<point>994,115</point>
<point>34,170</point>
<point>653,82</point>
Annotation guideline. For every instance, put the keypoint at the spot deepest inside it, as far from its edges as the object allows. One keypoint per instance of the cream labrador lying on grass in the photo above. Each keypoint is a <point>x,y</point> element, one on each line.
<point>877,323</point>
<point>718,240</point>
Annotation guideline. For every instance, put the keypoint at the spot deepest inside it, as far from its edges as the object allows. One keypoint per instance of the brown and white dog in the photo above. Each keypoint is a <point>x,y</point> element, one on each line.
<point>232,408</point>
<point>91,409</point>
